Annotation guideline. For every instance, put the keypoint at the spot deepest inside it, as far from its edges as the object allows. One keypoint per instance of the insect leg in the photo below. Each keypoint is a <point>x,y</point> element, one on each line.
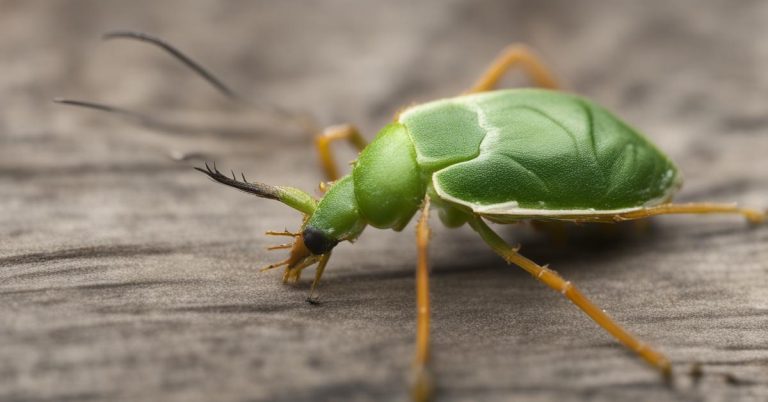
<point>323,144</point>
<point>556,282</point>
<point>422,386</point>
<point>752,215</point>
<point>318,274</point>
<point>513,56</point>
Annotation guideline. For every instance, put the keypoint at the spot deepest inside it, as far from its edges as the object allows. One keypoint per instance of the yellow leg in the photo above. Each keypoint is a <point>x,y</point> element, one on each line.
<point>752,215</point>
<point>318,274</point>
<point>422,387</point>
<point>323,143</point>
<point>556,282</point>
<point>512,56</point>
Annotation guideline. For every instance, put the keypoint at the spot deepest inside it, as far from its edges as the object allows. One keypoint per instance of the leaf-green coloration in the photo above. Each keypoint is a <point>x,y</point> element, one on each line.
<point>337,215</point>
<point>444,132</point>
<point>388,182</point>
<point>542,151</point>
<point>506,155</point>
<point>297,199</point>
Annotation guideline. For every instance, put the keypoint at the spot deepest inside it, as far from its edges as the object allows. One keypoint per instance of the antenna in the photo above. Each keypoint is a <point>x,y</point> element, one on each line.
<point>176,53</point>
<point>140,118</point>
<point>305,120</point>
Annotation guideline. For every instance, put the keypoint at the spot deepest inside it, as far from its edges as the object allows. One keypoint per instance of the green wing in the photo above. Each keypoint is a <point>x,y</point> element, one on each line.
<point>546,150</point>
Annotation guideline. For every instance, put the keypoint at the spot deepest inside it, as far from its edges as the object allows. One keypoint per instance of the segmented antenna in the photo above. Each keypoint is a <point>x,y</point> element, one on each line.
<point>259,189</point>
<point>197,68</point>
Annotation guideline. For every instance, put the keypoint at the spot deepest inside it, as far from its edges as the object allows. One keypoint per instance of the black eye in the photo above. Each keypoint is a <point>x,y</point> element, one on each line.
<point>318,242</point>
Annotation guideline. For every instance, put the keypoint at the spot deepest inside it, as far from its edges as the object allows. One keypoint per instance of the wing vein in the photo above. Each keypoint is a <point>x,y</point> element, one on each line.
<point>591,129</point>
<point>627,147</point>
<point>557,123</point>
<point>533,174</point>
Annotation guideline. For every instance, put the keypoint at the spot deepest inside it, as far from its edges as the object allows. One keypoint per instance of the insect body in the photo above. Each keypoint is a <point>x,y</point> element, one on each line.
<point>506,155</point>
<point>503,156</point>
<point>489,155</point>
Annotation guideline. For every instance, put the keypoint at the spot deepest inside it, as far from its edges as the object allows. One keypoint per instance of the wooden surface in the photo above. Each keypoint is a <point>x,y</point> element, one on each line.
<point>127,276</point>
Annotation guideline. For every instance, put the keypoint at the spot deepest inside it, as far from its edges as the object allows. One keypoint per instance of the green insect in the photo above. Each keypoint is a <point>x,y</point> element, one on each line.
<point>489,155</point>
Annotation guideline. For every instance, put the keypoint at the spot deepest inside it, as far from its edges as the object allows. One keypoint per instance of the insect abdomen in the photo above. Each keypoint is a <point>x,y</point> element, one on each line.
<point>538,149</point>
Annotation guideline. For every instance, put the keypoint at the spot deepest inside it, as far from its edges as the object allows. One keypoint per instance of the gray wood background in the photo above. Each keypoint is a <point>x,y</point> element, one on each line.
<point>127,276</point>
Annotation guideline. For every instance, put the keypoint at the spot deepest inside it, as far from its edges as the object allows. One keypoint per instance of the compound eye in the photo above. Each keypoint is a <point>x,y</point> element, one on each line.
<point>318,242</point>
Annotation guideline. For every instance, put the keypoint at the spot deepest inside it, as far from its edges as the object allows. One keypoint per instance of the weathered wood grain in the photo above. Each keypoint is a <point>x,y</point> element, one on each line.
<point>127,276</point>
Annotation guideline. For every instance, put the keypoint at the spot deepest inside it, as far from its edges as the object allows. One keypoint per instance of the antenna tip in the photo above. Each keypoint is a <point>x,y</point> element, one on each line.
<point>123,34</point>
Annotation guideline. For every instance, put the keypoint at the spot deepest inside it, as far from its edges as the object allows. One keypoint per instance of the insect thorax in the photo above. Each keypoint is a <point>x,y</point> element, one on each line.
<point>389,186</point>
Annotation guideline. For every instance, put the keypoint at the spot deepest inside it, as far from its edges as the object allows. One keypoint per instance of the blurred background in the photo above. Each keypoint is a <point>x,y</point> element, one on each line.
<point>125,275</point>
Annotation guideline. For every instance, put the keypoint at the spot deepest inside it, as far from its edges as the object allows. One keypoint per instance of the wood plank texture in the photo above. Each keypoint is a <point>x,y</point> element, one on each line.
<point>125,275</point>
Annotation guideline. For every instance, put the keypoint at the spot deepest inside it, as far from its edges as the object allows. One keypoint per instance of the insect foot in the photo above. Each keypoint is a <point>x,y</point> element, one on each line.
<point>422,388</point>
<point>757,218</point>
<point>291,276</point>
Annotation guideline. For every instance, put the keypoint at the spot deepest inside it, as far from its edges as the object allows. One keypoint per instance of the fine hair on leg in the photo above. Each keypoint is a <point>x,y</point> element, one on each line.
<point>556,282</point>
